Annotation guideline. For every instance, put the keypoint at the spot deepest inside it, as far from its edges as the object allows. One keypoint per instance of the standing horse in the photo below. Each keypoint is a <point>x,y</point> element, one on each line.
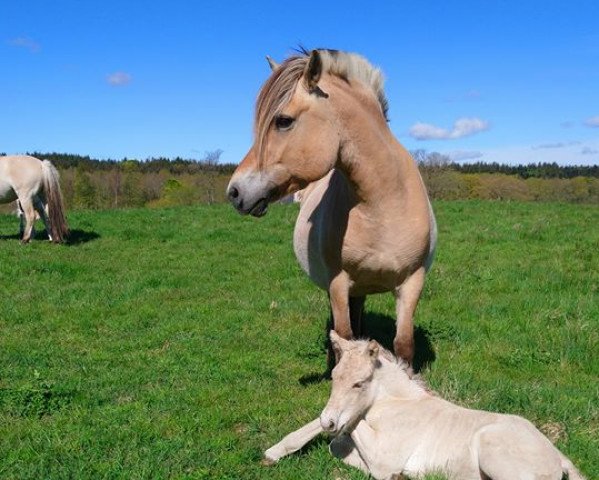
<point>34,184</point>
<point>387,423</point>
<point>365,223</point>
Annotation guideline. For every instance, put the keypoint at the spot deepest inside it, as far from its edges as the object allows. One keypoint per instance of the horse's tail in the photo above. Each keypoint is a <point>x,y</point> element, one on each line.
<point>59,229</point>
<point>570,471</point>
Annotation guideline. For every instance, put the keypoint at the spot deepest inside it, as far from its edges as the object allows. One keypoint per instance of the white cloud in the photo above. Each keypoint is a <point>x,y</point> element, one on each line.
<point>460,155</point>
<point>462,127</point>
<point>592,122</point>
<point>118,78</point>
<point>26,43</point>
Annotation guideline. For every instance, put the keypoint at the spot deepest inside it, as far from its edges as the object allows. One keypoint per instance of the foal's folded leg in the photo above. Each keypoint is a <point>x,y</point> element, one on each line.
<point>292,442</point>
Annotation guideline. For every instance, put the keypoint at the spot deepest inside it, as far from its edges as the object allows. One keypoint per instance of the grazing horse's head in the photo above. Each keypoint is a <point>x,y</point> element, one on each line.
<point>352,391</point>
<point>297,128</point>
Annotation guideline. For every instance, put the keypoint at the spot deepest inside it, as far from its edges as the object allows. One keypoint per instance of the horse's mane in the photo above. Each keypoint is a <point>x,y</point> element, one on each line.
<point>400,363</point>
<point>278,89</point>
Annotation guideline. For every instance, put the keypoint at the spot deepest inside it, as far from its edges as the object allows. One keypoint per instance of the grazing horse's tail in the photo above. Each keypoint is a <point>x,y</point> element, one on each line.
<point>59,229</point>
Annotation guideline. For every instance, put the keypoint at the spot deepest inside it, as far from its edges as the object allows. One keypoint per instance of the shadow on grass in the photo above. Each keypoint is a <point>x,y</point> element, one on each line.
<point>382,329</point>
<point>76,237</point>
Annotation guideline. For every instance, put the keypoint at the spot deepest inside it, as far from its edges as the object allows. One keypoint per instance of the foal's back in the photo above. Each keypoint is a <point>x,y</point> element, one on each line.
<point>433,434</point>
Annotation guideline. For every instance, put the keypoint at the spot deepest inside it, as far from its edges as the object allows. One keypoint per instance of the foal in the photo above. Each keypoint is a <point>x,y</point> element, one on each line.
<point>387,424</point>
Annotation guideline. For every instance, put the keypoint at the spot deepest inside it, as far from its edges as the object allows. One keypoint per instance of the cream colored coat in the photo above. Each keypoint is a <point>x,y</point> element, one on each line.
<point>388,424</point>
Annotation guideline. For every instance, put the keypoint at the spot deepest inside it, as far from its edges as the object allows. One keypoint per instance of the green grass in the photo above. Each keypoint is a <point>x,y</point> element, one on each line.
<point>180,343</point>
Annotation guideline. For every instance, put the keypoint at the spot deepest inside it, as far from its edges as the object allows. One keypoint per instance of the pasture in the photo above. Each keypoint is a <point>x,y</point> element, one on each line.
<point>181,343</point>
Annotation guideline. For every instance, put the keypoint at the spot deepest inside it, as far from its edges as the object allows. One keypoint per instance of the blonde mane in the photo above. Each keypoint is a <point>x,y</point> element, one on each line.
<point>278,89</point>
<point>400,363</point>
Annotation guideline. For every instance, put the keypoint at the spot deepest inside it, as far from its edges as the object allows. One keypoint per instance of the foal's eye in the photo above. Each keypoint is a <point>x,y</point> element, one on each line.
<point>358,385</point>
<point>283,122</point>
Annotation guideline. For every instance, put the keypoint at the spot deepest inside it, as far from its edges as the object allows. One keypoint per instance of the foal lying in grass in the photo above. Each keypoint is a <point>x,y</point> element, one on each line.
<point>387,424</point>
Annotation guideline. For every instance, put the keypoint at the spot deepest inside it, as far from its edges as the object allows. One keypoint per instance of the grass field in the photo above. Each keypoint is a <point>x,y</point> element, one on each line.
<point>180,343</point>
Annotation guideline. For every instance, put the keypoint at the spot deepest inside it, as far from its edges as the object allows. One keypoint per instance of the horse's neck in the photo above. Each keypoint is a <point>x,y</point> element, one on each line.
<point>380,170</point>
<point>393,381</point>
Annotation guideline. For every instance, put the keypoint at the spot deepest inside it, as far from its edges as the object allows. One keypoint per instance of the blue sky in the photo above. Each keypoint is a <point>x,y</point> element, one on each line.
<point>506,81</point>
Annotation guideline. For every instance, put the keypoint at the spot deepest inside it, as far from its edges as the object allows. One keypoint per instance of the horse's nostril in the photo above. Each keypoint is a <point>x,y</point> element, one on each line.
<point>233,193</point>
<point>331,425</point>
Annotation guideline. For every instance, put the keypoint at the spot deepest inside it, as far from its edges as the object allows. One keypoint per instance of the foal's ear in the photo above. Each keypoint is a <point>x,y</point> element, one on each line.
<point>273,65</point>
<point>338,343</point>
<point>373,349</point>
<point>313,70</point>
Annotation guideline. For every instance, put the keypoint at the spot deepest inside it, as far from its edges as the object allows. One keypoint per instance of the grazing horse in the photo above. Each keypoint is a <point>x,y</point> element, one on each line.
<point>34,184</point>
<point>365,223</point>
<point>387,423</point>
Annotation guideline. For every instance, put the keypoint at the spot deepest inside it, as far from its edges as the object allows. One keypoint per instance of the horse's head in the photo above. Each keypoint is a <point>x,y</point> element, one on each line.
<point>353,390</point>
<point>296,136</point>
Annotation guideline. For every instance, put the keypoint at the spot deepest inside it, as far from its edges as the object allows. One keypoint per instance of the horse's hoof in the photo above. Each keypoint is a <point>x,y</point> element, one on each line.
<point>267,462</point>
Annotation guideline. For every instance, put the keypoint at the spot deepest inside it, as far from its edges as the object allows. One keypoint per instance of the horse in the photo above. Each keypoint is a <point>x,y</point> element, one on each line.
<point>365,223</point>
<point>35,185</point>
<point>387,423</point>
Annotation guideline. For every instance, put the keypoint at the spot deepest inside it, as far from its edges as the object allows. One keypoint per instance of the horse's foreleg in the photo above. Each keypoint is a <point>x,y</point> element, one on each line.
<point>407,295</point>
<point>343,447</point>
<point>366,442</point>
<point>339,299</point>
<point>292,442</point>
<point>29,213</point>
<point>356,314</point>
<point>43,213</point>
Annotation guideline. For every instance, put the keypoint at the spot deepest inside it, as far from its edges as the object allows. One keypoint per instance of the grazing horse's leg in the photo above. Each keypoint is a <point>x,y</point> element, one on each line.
<point>42,211</point>
<point>21,219</point>
<point>406,296</point>
<point>29,212</point>
<point>356,314</point>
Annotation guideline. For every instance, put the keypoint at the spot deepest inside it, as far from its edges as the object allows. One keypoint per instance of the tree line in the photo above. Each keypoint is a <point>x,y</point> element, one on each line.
<point>89,183</point>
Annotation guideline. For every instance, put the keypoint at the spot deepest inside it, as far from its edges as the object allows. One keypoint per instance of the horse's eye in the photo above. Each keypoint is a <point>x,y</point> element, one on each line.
<point>358,385</point>
<point>283,122</point>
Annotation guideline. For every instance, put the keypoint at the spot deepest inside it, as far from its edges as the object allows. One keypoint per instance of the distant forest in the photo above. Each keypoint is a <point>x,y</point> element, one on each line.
<point>89,183</point>
<point>210,162</point>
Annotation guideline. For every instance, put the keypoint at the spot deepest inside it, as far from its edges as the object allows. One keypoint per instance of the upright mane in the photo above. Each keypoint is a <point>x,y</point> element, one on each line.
<point>278,89</point>
<point>401,364</point>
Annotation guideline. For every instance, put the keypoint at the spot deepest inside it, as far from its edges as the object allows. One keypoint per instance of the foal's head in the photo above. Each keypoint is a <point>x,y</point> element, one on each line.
<point>297,128</point>
<point>353,390</point>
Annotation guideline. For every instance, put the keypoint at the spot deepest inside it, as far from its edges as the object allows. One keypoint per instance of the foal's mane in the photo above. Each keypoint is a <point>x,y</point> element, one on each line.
<point>400,363</point>
<point>278,89</point>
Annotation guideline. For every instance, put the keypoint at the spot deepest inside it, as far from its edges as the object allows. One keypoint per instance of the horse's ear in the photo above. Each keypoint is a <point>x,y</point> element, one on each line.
<point>313,70</point>
<point>273,65</point>
<point>339,344</point>
<point>373,349</point>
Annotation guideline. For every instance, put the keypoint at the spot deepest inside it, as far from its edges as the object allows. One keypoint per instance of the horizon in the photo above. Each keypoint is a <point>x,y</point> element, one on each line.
<point>509,84</point>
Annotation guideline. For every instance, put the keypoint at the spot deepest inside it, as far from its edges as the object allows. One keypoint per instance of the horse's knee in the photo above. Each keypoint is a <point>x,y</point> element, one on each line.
<point>403,347</point>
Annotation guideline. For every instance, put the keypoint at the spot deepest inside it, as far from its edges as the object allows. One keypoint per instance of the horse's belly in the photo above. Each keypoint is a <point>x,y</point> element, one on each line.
<point>7,194</point>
